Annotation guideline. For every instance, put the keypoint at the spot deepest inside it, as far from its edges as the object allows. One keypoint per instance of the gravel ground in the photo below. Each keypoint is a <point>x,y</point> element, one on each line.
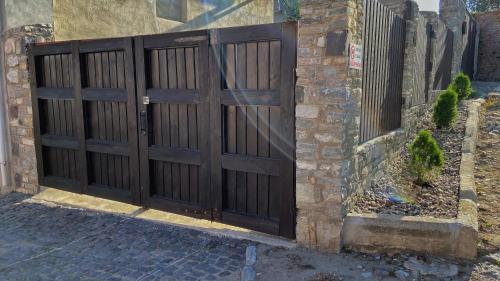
<point>395,193</point>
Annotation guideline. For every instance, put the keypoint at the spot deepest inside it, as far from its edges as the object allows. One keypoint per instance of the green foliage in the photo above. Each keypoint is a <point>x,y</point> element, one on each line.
<point>475,6</point>
<point>462,85</point>
<point>426,158</point>
<point>445,110</point>
<point>291,9</point>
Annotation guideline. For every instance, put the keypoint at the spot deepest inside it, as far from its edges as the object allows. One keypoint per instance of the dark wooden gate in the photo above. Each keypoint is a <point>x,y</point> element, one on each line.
<point>384,39</point>
<point>205,127</point>
<point>84,110</point>
<point>173,92</point>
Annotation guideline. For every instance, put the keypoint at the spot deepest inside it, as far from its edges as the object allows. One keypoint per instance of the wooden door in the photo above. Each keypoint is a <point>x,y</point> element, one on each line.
<point>253,113</point>
<point>172,71</point>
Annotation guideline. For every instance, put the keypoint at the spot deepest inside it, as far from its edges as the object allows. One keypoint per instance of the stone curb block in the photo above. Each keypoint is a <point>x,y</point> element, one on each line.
<point>248,272</point>
<point>374,233</point>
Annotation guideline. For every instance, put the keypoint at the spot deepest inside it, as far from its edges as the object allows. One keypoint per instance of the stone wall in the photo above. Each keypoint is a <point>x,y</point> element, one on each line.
<point>18,101</point>
<point>454,14</point>
<point>489,46</point>
<point>74,19</point>
<point>327,96</point>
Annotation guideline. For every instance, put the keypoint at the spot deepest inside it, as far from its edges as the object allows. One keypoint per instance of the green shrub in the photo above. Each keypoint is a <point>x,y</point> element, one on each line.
<point>462,85</point>
<point>426,158</point>
<point>445,110</point>
<point>291,9</point>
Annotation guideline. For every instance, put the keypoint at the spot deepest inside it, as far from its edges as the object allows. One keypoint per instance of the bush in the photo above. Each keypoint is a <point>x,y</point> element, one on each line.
<point>462,85</point>
<point>291,9</point>
<point>445,110</point>
<point>426,158</point>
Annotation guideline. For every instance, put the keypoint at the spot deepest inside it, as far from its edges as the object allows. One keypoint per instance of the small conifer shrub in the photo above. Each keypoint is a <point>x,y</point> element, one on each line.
<point>446,109</point>
<point>462,85</point>
<point>426,158</point>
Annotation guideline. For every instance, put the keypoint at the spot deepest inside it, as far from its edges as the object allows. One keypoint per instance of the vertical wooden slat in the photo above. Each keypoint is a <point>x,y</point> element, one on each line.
<point>230,66</point>
<point>263,148</point>
<point>155,69</point>
<point>193,145</point>
<point>174,142</point>
<point>241,61</point>
<point>190,68</point>
<point>241,146</point>
<point>251,149</point>
<point>274,64</point>
<point>263,65</point>
<point>163,72</point>
<point>231,148</point>
<point>172,69</point>
<point>81,165</point>
<point>165,134</point>
<point>251,62</point>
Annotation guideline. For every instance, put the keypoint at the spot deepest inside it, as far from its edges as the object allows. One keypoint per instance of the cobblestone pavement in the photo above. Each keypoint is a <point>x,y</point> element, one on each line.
<point>44,241</point>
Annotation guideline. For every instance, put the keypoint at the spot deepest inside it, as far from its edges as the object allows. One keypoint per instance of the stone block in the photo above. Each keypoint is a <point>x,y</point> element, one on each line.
<point>13,75</point>
<point>307,111</point>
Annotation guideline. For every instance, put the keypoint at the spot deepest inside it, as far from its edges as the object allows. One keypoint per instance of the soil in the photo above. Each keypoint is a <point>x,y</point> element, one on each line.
<point>395,191</point>
<point>487,175</point>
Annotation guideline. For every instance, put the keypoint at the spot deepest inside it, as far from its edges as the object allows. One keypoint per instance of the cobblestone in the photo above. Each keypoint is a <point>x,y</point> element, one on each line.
<point>44,241</point>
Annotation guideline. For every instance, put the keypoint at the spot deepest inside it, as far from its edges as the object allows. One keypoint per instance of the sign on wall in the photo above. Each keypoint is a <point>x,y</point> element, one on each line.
<point>355,56</point>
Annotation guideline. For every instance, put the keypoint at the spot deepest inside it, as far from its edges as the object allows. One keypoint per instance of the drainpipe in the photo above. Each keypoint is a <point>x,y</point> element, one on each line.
<point>4,164</point>
<point>4,134</point>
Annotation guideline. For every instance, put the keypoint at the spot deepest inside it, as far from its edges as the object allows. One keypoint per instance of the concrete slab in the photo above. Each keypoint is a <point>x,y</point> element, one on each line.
<point>85,201</point>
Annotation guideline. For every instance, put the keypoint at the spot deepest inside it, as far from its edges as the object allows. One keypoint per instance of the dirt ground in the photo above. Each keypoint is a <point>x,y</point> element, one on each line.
<point>487,174</point>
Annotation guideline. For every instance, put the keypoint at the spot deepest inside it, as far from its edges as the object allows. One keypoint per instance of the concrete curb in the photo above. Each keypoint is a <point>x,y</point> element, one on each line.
<point>442,237</point>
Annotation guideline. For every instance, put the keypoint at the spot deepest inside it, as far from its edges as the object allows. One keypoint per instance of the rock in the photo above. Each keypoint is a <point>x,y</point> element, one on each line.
<point>367,275</point>
<point>248,273</point>
<point>433,269</point>
<point>12,61</point>
<point>401,274</point>
<point>13,76</point>
<point>251,255</point>
<point>380,272</point>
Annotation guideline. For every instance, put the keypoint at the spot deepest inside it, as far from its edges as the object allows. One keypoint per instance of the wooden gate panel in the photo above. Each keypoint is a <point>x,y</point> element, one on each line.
<point>255,158</point>
<point>108,96</point>
<point>53,101</point>
<point>173,96</point>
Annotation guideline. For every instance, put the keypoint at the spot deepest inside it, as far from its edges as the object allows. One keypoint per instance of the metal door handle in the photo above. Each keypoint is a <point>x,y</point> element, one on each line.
<point>143,117</point>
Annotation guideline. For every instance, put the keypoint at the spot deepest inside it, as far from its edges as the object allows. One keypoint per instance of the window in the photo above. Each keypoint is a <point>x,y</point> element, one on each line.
<point>171,10</point>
